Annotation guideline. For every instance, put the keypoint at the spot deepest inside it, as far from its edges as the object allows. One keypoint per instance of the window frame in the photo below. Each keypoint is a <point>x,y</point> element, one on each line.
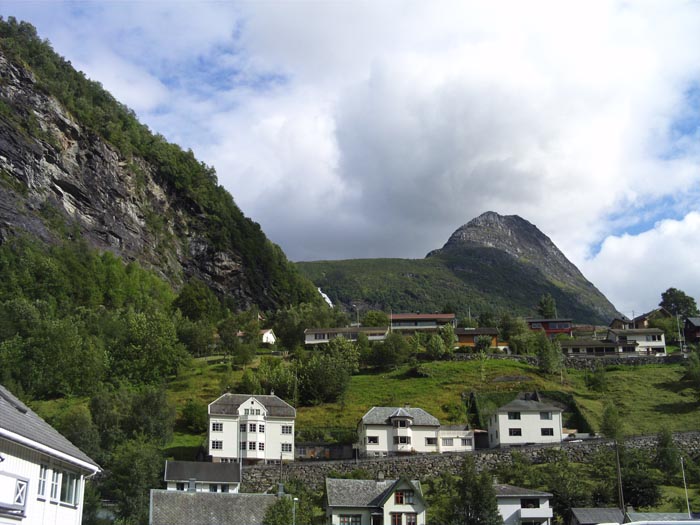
<point>217,444</point>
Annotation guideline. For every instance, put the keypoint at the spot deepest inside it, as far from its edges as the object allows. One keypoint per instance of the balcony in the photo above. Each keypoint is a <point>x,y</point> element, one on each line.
<point>542,513</point>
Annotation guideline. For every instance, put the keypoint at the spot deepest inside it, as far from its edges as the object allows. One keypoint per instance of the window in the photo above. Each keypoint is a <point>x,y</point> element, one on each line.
<point>244,427</point>
<point>286,429</point>
<point>180,485</point>
<point>411,519</point>
<point>353,519</point>
<point>373,440</point>
<point>403,497</point>
<point>244,444</point>
<point>261,428</point>
<point>545,415</point>
<point>261,446</point>
<point>395,518</point>
<point>286,447</point>
<point>247,411</point>
<point>217,445</point>
<point>54,484</point>
<point>69,488</point>
<point>466,442</point>
<point>431,441</point>
<point>213,487</point>
<point>20,492</point>
<point>402,440</point>
<point>447,442</point>
<point>224,487</point>
<point>513,415</point>
<point>43,472</point>
<point>515,432</point>
<point>530,503</point>
<point>257,411</point>
<point>400,423</point>
<point>535,325</point>
<point>252,427</point>
<point>251,445</point>
<point>217,427</point>
<point>547,431</point>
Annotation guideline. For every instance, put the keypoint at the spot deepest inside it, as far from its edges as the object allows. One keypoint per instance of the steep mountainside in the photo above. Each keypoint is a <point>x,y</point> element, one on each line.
<point>76,163</point>
<point>491,263</point>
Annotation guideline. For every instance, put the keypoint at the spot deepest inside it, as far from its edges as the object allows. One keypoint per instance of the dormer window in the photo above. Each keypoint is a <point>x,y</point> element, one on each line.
<point>400,423</point>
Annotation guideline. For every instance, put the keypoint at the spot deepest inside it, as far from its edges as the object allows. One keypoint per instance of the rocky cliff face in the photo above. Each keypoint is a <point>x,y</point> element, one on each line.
<point>59,179</point>
<point>522,243</point>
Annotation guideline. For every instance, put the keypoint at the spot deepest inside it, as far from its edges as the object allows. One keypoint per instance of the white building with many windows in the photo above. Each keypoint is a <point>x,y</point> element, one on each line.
<point>254,429</point>
<point>387,431</point>
<point>42,474</point>
<point>525,422</point>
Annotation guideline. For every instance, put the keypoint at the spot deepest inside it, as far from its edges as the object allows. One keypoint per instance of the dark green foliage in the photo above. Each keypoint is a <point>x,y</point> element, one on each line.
<point>611,425</point>
<point>668,456</point>
<point>77,426</point>
<point>274,375</point>
<point>391,352</point>
<point>289,323</point>
<point>509,326</point>
<point>562,480</point>
<point>547,307</point>
<point>375,318</point>
<point>447,333</point>
<point>677,302</point>
<point>640,482</point>
<point>196,336</point>
<point>549,356</point>
<point>197,302</point>
<point>474,498</point>
<point>269,275</point>
<point>436,349</point>
<point>194,416</point>
<point>322,379</point>
<point>482,343</point>
<point>250,384</point>
<point>597,380</point>
<point>280,512</point>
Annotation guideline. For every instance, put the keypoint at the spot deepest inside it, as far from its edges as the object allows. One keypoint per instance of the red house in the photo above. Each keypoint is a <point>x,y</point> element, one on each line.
<point>551,327</point>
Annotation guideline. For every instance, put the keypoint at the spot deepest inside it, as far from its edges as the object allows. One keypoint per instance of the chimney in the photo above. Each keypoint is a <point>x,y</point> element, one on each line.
<point>192,485</point>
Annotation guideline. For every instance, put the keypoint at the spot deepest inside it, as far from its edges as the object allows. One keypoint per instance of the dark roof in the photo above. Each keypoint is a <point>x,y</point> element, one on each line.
<point>593,516</point>
<point>346,329</point>
<point>623,331</point>
<point>227,405</point>
<point>543,320</point>
<point>381,415</point>
<point>522,405</point>
<point>658,516</point>
<point>476,331</point>
<point>506,491</point>
<point>176,507</point>
<point>405,317</point>
<point>695,321</point>
<point>19,419</point>
<point>361,492</point>
<point>202,471</point>
<point>654,313</point>
<point>576,343</point>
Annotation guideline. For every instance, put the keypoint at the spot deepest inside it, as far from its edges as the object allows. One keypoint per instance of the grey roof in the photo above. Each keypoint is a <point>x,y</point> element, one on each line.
<point>18,418</point>
<point>695,321</point>
<point>658,516</point>
<point>175,507</point>
<point>593,516</point>
<point>642,331</point>
<point>202,471</point>
<point>505,491</point>
<point>381,415</point>
<point>575,343</point>
<point>522,405</point>
<point>455,427</point>
<point>361,492</point>
<point>227,405</point>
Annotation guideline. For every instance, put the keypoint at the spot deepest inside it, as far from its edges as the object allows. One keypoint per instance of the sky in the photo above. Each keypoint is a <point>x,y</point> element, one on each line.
<point>375,129</point>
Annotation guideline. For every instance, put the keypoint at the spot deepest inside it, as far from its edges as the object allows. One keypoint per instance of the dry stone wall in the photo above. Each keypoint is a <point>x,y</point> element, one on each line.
<point>425,466</point>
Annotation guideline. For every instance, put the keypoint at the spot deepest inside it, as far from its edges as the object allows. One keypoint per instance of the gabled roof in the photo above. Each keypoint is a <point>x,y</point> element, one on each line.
<point>523,405</point>
<point>227,405</point>
<point>593,516</point>
<point>21,424</point>
<point>382,415</point>
<point>511,491</point>
<point>695,321</point>
<point>656,312</point>
<point>363,492</point>
<point>205,472</point>
<point>176,507</point>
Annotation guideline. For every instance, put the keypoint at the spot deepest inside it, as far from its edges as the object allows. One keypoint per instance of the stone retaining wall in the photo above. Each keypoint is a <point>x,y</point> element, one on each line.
<point>582,362</point>
<point>260,478</point>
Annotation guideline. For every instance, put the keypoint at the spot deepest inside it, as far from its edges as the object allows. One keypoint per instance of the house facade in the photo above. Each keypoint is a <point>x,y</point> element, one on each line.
<point>646,341</point>
<point>388,431</point>
<point>42,474</point>
<point>524,422</point>
<point>425,323</point>
<point>265,336</point>
<point>374,502</point>
<point>691,329</point>
<point>252,429</point>
<point>319,336</point>
<point>466,337</point>
<point>519,506</point>
<point>201,476</point>
<point>551,327</point>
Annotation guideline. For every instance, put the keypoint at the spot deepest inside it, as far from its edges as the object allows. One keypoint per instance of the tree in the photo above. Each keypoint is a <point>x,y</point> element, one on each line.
<point>196,301</point>
<point>547,307</point>
<point>447,333</point>
<point>667,458</point>
<point>482,343</point>
<point>391,352</point>
<point>475,498</point>
<point>611,424</point>
<point>564,482</point>
<point>549,357</point>
<point>486,319</point>
<point>375,318</point>
<point>597,381</point>
<point>436,347</point>
<point>523,344</point>
<point>194,416</point>
<point>509,326</point>
<point>678,303</point>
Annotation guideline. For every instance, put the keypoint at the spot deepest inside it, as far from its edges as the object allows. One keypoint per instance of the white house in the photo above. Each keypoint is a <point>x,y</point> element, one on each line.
<point>317,336</point>
<point>267,336</point>
<point>201,476</point>
<point>649,341</point>
<point>518,506</point>
<point>387,431</point>
<point>374,502</point>
<point>523,422</point>
<point>42,474</point>
<point>255,429</point>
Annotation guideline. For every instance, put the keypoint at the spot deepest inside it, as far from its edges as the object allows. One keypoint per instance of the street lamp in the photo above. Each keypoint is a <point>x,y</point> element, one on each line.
<point>294,511</point>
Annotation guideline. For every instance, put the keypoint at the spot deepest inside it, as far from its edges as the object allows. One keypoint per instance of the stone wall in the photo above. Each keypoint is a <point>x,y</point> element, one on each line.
<point>425,466</point>
<point>581,362</point>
